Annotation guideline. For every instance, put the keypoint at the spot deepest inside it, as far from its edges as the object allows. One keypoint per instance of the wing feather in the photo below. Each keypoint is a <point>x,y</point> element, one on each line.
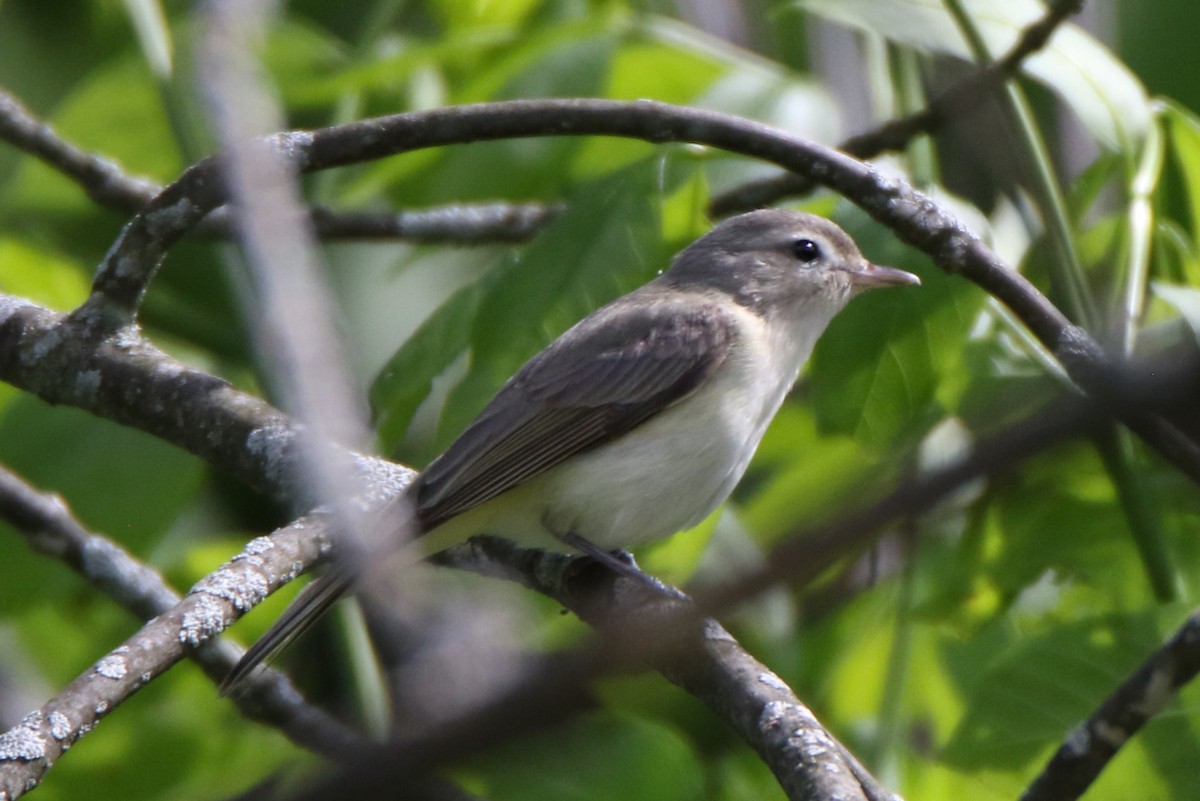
<point>604,377</point>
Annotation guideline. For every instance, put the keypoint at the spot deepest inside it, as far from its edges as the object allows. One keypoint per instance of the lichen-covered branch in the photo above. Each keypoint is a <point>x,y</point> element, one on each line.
<point>31,747</point>
<point>702,658</point>
<point>124,378</point>
<point>49,527</point>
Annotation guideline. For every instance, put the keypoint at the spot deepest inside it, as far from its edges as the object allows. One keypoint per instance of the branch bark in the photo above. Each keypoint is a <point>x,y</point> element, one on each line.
<point>124,378</point>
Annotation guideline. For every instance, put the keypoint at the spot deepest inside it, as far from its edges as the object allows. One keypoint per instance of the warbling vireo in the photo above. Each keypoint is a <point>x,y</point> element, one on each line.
<point>638,421</point>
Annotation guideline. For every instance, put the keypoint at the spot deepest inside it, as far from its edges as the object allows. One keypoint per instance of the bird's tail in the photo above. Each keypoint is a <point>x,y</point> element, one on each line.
<point>393,525</point>
<point>312,602</point>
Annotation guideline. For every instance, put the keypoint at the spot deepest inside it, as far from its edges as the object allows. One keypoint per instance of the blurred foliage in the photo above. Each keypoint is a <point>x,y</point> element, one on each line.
<point>986,629</point>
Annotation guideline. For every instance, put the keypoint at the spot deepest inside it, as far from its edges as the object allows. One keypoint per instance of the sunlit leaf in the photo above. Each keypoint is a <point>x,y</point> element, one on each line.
<point>43,277</point>
<point>1106,95</point>
<point>1184,128</point>
<point>1031,698</point>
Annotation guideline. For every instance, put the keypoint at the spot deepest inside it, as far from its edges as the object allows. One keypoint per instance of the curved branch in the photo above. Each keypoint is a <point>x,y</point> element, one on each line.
<point>31,747</point>
<point>702,658</point>
<point>913,216</point>
<point>132,262</point>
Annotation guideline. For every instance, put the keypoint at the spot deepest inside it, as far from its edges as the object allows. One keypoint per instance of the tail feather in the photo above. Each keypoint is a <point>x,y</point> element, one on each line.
<point>312,602</point>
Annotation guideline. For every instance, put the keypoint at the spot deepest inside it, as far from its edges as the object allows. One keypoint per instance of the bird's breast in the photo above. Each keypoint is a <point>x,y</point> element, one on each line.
<point>670,472</point>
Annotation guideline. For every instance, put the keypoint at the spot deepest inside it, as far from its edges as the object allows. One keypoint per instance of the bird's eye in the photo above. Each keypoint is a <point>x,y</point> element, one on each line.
<point>806,250</point>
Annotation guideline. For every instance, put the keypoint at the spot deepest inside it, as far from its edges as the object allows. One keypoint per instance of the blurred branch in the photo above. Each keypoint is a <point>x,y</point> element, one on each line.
<point>457,224</point>
<point>1090,746</point>
<point>895,134</point>
<point>29,749</point>
<point>111,187</point>
<point>293,332</point>
<point>100,179</point>
<point>49,528</point>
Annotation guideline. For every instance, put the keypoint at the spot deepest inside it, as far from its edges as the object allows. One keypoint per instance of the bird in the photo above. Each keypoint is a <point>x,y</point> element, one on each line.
<point>638,421</point>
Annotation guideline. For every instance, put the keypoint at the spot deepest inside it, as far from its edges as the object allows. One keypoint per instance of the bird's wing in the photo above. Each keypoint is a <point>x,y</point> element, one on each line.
<point>602,378</point>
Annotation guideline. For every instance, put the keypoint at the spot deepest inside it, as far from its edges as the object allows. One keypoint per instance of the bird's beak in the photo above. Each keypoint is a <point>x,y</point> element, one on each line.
<point>869,276</point>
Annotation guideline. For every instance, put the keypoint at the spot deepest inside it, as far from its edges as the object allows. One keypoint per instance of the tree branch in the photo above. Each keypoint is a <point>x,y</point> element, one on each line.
<point>30,748</point>
<point>1093,743</point>
<point>124,378</point>
<point>109,186</point>
<point>706,661</point>
<point>895,134</point>
<point>49,528</point>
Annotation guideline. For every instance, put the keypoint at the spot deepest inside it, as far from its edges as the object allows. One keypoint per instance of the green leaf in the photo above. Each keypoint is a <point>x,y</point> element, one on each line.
<point>599,757</point>
<point>1109,99</point>
<point>50,279</point>
<point>1034,694</point>
<point>120,482</point>
<point>154,36</point>
<point>407,378</point>
<point>1186,301</point>
<point>1184,129</point>
<point>875,371</point>
<point>300,58</point>
<point>520,169</point>
<point>1060,522</point>
<point>115,112</point>
<point>458,16</point>
<point>798,477</point>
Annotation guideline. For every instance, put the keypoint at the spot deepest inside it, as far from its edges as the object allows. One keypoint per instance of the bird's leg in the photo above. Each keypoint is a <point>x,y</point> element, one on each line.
<point>620,562</point>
